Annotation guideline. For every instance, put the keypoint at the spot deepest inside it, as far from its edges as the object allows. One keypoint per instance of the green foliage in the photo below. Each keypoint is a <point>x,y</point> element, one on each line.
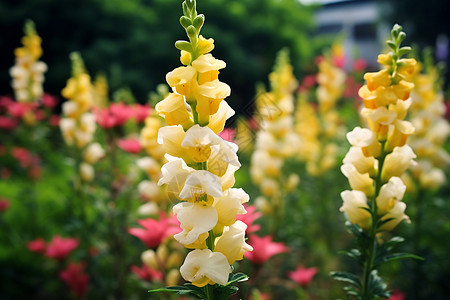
<point>219,292</point>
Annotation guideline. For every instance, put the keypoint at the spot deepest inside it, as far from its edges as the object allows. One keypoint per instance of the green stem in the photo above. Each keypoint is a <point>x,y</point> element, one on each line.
<point>209,292</point>
<point>371,252</point>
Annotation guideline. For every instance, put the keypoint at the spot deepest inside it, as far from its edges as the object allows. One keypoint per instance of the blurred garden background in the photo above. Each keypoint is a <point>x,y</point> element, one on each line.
<point>88,221</point>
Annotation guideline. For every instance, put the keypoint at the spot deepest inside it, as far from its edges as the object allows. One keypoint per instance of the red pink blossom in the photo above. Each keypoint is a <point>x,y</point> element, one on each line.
<point>38,245</point>
<point>4,204</point>
<point>75,278</point>
<point>249,218</point>
<point>130,145</point>
<point>155,231</point>
<point>263,249</point>
<point>146,273</point>
<point>302,275</point>
<point>60,247</point>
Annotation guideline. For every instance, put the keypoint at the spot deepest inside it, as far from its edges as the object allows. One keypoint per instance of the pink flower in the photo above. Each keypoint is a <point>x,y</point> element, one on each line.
<point>302,275</point>
<point>4,204</point>
<point>397,295</point>
<point>359,64</point>
<point>249,218</point>
<point>19,109</point>
<point>23,156</point>
<point>104,118</point>
<point>146,273</point>
<point>228,134</point>
<point>60,247</point>
<point>141,112</point>
<point>263,249</point>
<point>5,101</point>
<point>49,101</point>
<point>155,231</point>
<point>339,61</point>
<point>122,113</point>
<point>75,278</point>
<point>7,123</point>
<point>38,245</point>
<point>130,145</point>
<point>309,81</point>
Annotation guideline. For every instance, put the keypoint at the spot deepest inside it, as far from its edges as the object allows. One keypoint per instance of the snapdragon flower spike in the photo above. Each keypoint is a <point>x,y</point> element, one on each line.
<point>28,71</point>
<point>200,165</point>
<point>378,157</point>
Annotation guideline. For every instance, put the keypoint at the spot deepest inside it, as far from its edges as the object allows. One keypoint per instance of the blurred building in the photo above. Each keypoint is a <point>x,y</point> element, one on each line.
<point>358,24</point>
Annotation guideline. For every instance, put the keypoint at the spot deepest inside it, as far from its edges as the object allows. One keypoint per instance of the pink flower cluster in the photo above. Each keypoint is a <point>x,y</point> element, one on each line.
<point>12,112</point>
<point>28,161</point>
<point>117,114</point>
<point>58,248</point>
<point>156,231</point>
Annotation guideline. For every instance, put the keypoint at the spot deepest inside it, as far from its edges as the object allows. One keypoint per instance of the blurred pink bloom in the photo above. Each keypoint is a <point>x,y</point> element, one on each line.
<point>5,101</point>
<point>60,247</point>
<point>397,295</point>
<point>4,204</point>
<point>359,64</point>
<point>309,81</point>
<point>228,134</point>
<point>54,120</point>
<point>263,249</point>
<point>23,156</point>
<point>130,145</point>
<point>49,101</point>
<point>19,109</point>
<point>302,275</point>
<point>122,112</point>
<point>141,112</point>
<point>156,231</point>
<point>75,278</point>
<point>339,61</point>
<point>146,273</point>
<point>249,218</point>
<point>104,118</point>
<point>7,123</point>
<point>38,245</point>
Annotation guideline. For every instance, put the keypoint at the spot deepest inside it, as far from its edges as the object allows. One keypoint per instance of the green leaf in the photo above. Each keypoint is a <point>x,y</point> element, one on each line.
<point>395,256</point>
<point>238,277</point>
<point>347,277</point>
<point>376,286</point>
<point>391,44</point>
<point>354,254</point>
<point>185,289</point>
<point>198,21</point>
<point>353,228</point>
<point>185,21</point>
<point>183,45</point>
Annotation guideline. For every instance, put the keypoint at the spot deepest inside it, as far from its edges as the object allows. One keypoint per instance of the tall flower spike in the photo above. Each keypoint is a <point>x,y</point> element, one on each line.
<point>201,165</point>
<point>276,140</point>
<point>378,156</point>
<point>28,72</point>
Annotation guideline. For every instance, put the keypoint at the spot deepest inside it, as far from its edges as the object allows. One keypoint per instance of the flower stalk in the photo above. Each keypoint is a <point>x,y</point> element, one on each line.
<point>201,165</point>
<point>378,157</point>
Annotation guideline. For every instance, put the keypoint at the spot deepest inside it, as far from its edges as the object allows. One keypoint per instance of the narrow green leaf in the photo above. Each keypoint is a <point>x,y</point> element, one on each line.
<point>238,277</point>
<point>391,44</point>
<point>347,277</point>
<point>395,256</point>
